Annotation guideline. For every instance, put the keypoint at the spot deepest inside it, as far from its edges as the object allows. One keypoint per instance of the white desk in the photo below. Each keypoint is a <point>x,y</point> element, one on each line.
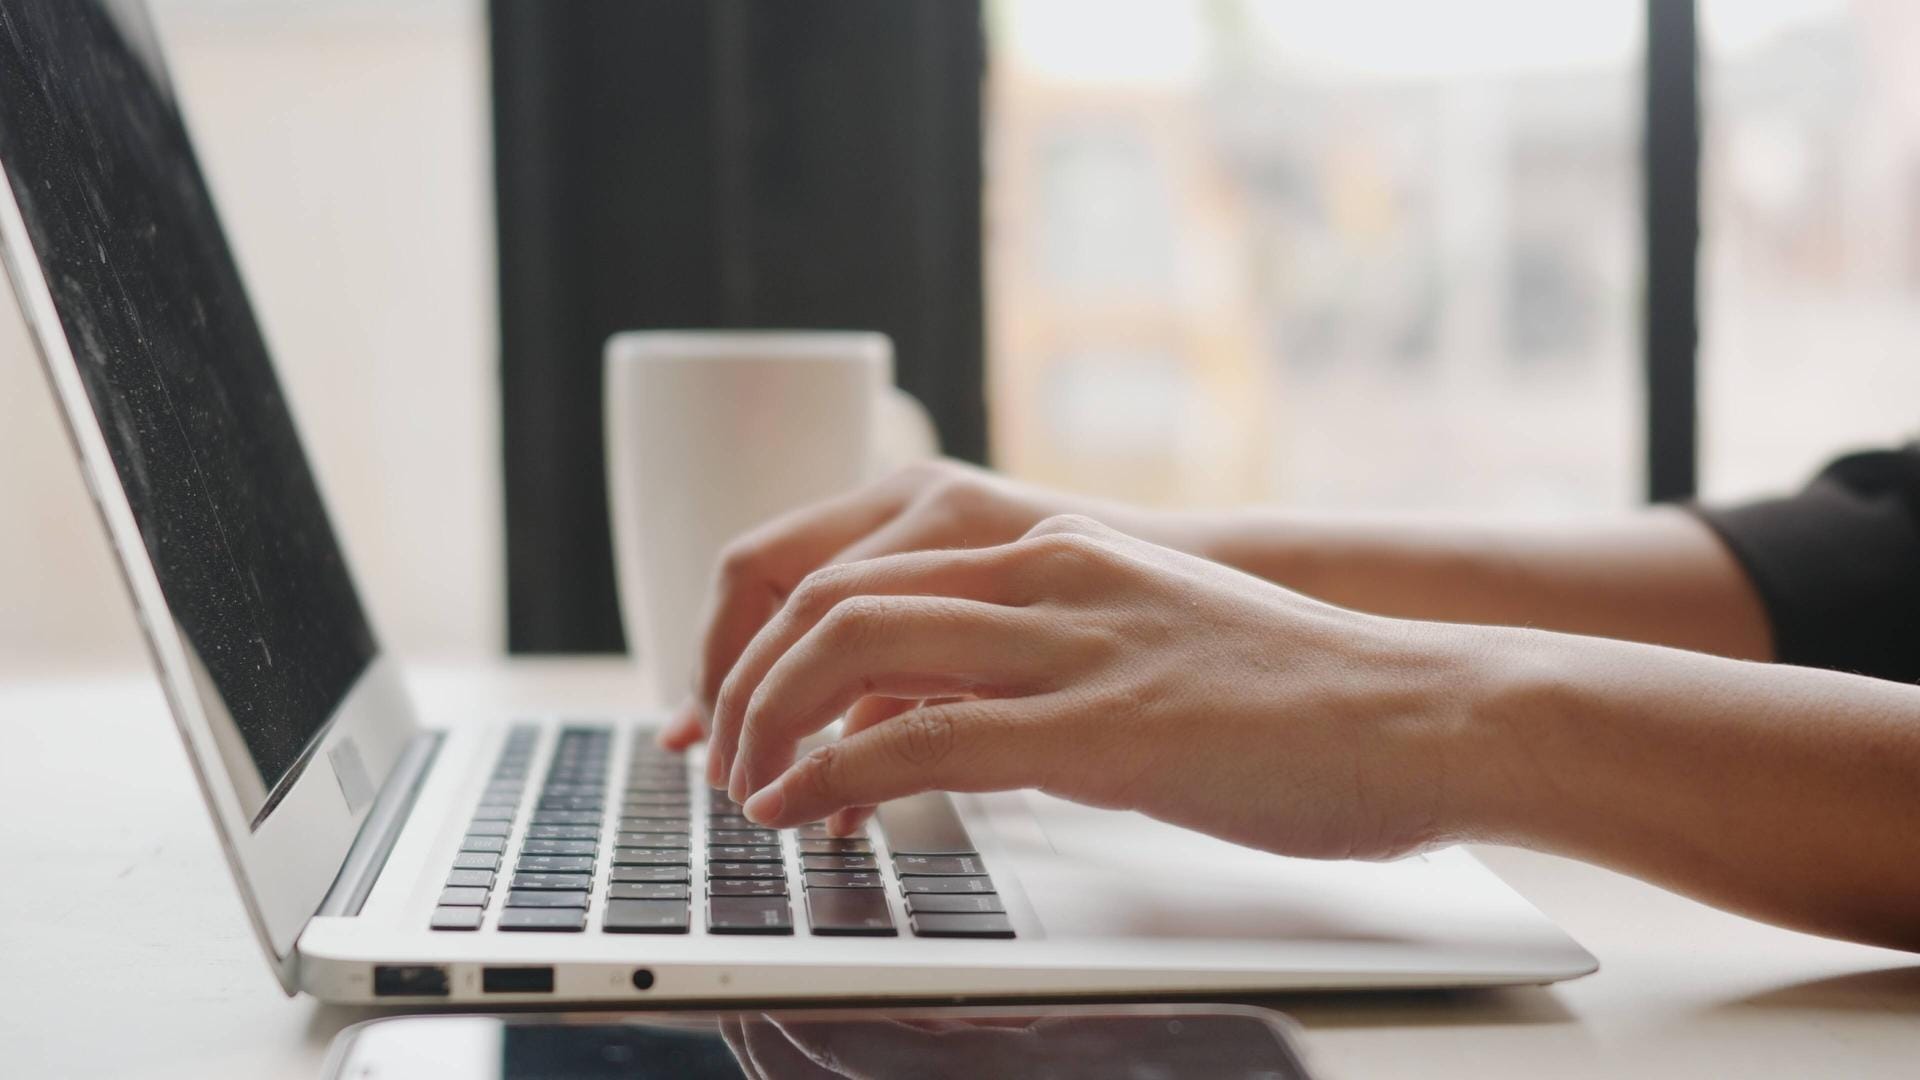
<point>123,951</point>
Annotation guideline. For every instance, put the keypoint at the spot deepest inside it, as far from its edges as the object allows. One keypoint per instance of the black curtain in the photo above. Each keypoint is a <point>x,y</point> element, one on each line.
<point>717,163</point>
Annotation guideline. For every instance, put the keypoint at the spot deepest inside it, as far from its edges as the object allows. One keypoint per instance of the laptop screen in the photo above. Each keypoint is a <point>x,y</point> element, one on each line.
<point>178,375</point>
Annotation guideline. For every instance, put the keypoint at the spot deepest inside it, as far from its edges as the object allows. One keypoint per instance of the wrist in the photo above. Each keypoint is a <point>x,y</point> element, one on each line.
<point>1504,781</point>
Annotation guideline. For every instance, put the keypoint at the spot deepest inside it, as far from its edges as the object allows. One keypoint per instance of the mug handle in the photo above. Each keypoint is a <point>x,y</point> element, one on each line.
<point>906,432</point>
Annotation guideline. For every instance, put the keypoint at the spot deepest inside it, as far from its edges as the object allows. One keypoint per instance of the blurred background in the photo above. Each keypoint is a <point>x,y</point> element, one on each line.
<point>1381,254</point>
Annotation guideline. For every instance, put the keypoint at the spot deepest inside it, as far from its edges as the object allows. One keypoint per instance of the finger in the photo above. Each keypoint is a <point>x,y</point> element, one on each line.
<point>900,646</point>
<point>987,745</point>
<point>760,568</point>
<point>870,712</point>
<point>978,575</point>
<point>920,526</point>
<point>685,729</point>
<point>866,713</point>
<point>873,709</point>
<point>850,821</point>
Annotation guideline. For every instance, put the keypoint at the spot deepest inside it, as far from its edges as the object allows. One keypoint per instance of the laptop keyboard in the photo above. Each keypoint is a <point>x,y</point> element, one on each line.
<point>546,864</point>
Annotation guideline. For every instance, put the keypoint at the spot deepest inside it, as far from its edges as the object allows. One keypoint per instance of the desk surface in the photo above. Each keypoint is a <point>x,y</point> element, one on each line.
<point>124,952</point>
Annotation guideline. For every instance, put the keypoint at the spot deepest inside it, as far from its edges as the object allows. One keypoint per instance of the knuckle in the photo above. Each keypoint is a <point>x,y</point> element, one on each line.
<point>855,620</point>
<point>1065,551</point>
<point>923,474</point>
<point>1064,523</point>
<point>955,493</point>
<point>819,592</point>
<point>926,738</point>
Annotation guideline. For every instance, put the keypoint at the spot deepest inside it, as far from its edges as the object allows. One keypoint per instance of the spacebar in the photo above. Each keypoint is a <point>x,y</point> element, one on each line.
<point>924,824</point>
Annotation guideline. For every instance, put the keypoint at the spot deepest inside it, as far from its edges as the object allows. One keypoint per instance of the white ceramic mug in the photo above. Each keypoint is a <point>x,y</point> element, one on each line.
<point>710,433</point>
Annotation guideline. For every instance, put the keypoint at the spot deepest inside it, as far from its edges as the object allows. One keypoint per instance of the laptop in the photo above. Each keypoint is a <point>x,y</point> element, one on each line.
<point>383,855</point>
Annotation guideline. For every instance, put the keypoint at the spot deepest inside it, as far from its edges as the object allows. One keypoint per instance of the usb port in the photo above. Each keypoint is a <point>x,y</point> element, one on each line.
<point>409,980</point>
<point>517,980</point>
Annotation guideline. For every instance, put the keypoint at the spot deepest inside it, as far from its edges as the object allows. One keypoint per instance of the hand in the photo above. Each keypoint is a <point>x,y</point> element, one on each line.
<point>932,505</point>
<point>1109,671</point>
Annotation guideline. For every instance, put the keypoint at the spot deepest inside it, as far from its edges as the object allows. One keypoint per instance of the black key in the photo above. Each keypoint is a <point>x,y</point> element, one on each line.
<point>495,812</point>
<point>486,827</point>
<point>650,821</point>
<point>744,853</point>
<point>971,926</point>
<point>642,856</point>
<point>562,832</point>
<point>545,898</point>
<point>648,873</point>
<point>478,879</point>
<point>457,918</point>
<point>565,817</point>
<point>923,824</point>
<point>648,890</point>
<point>861,912</point>
<point>644,788</point>
<point>832,879</point>
<point>556,920</point>
<point>747,887</point>
<point>492,845</point>
<point>652,839</point>
<point>476,860</point>
<point>839,862</point>
<point>567,882</point>
<point>954,903</point>
<point>555,864</point>
<point>559,847</point>
<point>463,896</point>
<point>646,917</point>
<point>745,870</point>
<point>742,836</point>
<point>749,915</point>
<point>836,847</point>
<point>817,830</point>
<point>571,802</point>
<point>912,884</point>
<point>654,798</point>
<point>501,791</point>
<point>559,790</point>
<point>939,865</point>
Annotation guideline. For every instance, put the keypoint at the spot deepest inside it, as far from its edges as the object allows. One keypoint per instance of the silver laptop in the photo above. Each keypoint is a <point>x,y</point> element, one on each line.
<point>384,855</point>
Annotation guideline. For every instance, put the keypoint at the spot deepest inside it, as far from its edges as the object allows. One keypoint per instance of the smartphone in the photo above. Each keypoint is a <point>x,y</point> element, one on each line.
<point>1148,1042</point>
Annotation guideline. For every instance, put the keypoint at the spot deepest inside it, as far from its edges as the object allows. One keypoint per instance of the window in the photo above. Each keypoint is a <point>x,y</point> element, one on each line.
<point>1264,250</point>
<point>1810,219</point>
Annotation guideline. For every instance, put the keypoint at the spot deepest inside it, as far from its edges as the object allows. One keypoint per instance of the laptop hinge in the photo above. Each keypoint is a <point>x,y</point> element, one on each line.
<point>378,833</point>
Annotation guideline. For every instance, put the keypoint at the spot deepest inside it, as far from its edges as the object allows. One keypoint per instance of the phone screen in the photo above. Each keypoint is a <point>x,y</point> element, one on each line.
<point>1157,1043</point>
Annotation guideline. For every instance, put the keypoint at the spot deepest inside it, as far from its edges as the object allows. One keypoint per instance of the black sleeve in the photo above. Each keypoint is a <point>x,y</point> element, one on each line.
<point>1838,565</point>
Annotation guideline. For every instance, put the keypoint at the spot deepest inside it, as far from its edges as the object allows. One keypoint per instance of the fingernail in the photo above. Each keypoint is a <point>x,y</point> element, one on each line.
<point>766,804</point>
<point>737,783</point>
<point>716,776</point>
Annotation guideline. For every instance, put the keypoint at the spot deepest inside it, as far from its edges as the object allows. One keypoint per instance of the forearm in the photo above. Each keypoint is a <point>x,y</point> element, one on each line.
<point>1787,794</point>
<point>1660,576</point>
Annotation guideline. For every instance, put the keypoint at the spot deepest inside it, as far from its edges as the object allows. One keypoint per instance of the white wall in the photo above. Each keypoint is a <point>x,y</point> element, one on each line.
<point>348,148</point>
